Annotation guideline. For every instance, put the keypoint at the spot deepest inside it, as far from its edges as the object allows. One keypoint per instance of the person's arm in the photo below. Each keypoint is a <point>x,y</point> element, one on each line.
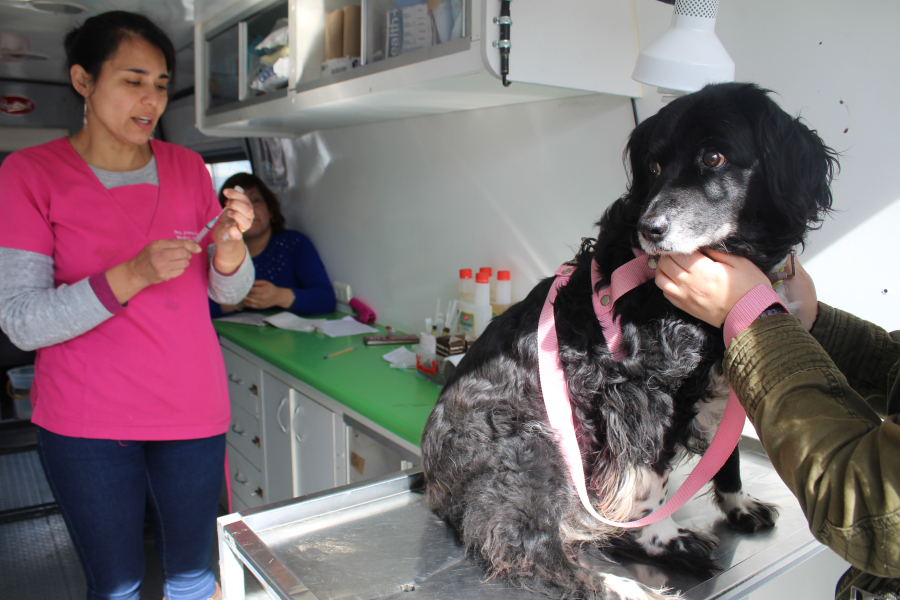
<point>825,441</point>
<point>229,289</point>
<point>867,355</point>
<point>314,294</point>
<point>35,314</point>
<point>836,455</point>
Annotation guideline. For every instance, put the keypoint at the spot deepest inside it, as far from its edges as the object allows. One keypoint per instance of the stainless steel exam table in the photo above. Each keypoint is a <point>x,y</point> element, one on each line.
<point>379,540</point>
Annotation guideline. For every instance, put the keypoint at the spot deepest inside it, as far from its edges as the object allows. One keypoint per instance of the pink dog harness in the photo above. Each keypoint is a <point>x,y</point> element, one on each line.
<point>556,396</point>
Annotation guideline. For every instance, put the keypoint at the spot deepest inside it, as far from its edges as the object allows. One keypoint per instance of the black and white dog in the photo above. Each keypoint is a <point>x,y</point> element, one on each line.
<point>722,168</point>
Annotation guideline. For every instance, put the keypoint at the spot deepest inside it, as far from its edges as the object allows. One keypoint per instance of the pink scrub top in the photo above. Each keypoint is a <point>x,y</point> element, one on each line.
<point>154,370</point>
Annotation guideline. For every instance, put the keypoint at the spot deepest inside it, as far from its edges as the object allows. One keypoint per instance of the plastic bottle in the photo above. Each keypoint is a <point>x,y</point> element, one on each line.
<point>466,285</point>
<point>503,293</point>
<point>474,316</point>
<point>490,274</point>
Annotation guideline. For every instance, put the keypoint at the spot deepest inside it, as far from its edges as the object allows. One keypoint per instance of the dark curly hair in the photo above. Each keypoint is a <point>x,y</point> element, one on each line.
<point>247,181</point>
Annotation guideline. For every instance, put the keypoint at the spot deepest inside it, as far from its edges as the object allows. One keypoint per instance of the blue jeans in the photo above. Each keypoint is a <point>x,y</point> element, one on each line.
<point>104,487</point>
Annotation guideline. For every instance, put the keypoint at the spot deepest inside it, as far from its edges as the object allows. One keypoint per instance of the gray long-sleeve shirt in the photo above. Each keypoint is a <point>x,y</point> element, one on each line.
<point>34,313</point>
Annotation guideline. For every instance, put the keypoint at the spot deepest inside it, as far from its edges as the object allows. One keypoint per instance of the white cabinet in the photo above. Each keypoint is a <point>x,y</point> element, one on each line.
<point>260,443</point>
<point>558,49</point>
<point>283,443</point>
<point>276,423</point>
<point>319,459</point>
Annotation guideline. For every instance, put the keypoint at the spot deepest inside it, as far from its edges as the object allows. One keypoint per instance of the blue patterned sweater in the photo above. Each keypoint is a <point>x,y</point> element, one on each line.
<point>290,261</point>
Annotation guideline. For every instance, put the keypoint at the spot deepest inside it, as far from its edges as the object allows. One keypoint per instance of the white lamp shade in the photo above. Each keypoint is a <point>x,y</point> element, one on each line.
<point>688,55</point>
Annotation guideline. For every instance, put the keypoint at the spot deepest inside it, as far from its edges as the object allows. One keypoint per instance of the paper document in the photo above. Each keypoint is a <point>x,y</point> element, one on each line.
<point>288,320</point>
<point>245,318</point>
<point>345,326</point>
<point>401,358</point>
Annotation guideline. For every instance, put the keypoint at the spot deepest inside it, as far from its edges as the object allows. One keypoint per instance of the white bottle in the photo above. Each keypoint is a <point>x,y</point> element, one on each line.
<point>466,285</point>
<point>503,294</point>
<point>474,316</point>
<point>490,274</point>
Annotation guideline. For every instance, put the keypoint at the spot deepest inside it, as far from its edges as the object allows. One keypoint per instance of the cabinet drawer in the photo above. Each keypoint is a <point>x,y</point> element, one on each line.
<point>243,434</point>
<point>247,482</point>
<point>244,382</point>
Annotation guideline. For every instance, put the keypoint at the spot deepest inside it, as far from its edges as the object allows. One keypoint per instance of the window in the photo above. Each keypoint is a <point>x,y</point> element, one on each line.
<point>221,171</point>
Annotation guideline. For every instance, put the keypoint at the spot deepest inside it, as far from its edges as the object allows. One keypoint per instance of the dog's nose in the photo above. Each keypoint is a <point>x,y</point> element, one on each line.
<point>654,228</point>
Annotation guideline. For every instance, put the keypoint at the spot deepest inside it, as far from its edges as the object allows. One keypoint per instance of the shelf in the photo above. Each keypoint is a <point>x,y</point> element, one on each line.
<point>568,48</point>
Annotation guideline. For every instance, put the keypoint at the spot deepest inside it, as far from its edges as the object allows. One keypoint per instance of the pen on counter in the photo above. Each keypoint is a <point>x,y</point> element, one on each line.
<point>215,219</point>
<point>340,351</point>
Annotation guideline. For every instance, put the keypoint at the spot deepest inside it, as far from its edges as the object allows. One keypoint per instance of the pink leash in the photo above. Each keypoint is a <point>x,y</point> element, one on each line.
<point>556,395</point>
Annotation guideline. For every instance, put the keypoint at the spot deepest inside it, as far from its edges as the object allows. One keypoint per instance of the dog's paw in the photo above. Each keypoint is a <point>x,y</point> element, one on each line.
<point>666,538</point>
<point>745,513</point>
<point>619,588</point>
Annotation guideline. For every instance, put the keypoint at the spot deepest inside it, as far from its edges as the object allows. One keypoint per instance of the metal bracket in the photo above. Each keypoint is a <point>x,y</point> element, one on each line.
<point>505,23</point>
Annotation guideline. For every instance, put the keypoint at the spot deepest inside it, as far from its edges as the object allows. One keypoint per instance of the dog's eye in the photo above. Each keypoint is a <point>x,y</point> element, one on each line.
<point>655,168</point>
<point>713,159</point>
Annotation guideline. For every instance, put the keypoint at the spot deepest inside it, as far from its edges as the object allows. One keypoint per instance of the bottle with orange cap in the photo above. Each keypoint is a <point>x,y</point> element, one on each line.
<point>475,315</point>
<point>502,293</point>
<point>465,287</point>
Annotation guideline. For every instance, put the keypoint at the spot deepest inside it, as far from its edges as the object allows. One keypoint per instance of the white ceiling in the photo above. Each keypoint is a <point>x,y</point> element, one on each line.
<point>45,31</point>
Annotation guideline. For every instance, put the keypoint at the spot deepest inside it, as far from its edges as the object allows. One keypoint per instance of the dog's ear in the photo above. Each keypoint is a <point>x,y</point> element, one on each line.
<point>636,160</point>
<point>796,165</point>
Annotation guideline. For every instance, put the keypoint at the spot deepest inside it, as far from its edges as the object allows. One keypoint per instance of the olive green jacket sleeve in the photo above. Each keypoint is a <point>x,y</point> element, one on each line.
<point>819,427</point>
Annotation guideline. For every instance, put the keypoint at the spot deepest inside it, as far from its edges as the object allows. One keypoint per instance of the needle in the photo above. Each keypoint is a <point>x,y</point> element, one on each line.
<point>212,223</point>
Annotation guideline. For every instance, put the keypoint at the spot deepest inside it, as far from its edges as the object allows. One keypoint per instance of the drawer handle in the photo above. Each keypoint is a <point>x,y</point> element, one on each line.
<point>278,415</point>
<point>254,390</point>
<point>238,429</point>
<point>240,478</point>
<point>258,492</point>
<point>295,426</point>
<point>234,378</point>
<point>257,442</point>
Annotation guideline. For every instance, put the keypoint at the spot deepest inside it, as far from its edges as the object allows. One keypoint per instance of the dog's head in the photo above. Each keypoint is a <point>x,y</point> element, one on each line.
<point>727,168</point>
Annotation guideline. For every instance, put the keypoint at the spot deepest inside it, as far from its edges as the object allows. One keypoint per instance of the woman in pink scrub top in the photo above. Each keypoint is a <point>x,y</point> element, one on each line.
<point>101,274</point>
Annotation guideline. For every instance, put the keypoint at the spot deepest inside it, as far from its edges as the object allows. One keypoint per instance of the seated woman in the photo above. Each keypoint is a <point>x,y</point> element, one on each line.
<point>289,272</point>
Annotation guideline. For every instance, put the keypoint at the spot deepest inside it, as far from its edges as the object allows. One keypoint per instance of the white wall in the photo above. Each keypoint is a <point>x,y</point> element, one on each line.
<point>397,208</point>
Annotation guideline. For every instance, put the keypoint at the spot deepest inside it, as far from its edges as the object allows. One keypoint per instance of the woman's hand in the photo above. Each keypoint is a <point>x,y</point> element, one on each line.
<point>264,295</point>
<point>228,232</point>
<point>157,262</point>
<point>707,285</point>
<point>800,292</point>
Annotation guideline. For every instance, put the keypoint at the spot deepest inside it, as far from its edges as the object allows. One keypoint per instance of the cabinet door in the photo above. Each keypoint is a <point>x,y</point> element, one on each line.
<point>318,445</point>
<point>276,424</point>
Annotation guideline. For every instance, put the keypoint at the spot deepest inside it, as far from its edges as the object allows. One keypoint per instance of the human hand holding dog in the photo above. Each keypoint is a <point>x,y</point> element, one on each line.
<point>707,284</point>
<point>800,292</point>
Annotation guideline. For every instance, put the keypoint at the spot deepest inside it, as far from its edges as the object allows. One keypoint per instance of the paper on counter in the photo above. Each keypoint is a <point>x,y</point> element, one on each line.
<point>401,356</point>
<point>346,326</point>
<point>288,320</point>
<point>244,318</point>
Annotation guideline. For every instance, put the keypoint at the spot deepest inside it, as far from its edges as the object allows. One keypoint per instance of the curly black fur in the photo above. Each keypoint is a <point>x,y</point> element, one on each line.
<point>492,467</point>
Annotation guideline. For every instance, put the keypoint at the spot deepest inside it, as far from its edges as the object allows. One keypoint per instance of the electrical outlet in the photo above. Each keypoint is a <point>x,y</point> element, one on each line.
<point>341,292</point>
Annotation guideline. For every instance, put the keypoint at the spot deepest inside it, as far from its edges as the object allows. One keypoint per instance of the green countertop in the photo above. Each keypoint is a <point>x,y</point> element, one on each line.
<point>396,399</point>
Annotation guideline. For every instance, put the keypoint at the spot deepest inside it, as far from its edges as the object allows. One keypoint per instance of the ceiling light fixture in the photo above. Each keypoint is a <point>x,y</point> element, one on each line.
<point>688,55</point>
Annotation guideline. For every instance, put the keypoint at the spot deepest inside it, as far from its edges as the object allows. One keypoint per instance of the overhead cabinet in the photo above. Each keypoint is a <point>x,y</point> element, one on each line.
<point>281,68</point>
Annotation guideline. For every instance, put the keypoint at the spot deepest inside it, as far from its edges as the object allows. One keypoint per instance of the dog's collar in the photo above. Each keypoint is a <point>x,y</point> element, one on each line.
<point>559,408</point>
